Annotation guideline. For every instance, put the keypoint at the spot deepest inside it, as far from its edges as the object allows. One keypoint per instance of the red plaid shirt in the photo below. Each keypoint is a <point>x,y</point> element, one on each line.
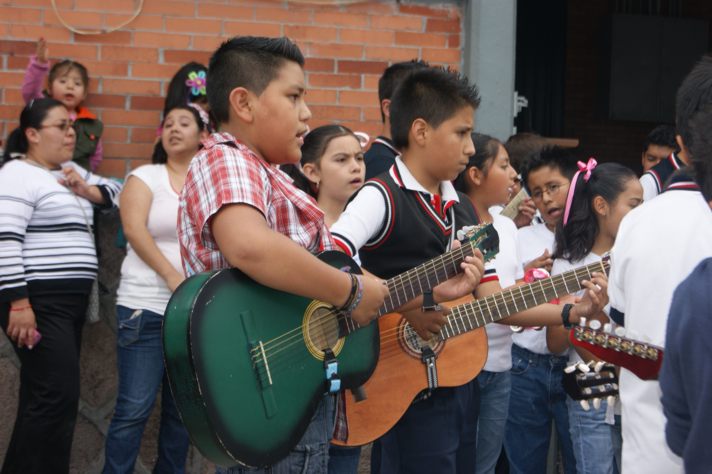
<point>226,172</point>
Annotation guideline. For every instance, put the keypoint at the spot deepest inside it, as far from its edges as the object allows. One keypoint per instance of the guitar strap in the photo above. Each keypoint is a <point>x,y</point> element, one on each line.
<point>331,367</point>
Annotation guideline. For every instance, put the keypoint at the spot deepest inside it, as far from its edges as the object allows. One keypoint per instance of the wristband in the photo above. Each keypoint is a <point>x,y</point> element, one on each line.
<point>357,296</point>
<point>566,314</point>
<point>12,310</point>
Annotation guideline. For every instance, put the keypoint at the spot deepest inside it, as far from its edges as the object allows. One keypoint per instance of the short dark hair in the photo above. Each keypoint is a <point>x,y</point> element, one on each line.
<point>251,62</point>
<point>701,150</point>
<point>315,144</point>
<point>32,116</point>
<point>486,148</point>
<point>575,239</point>
<point>662,135</point>
<point>392,76</point>
<point>556,157</point>
<point>159,153</point>
<point>694,94</point>
<point>434,95</point>
<point>519,146</point>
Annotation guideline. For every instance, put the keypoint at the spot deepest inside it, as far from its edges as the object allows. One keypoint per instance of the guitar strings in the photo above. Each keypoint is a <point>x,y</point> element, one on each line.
<point>544,286</point>
<point>513,290</point>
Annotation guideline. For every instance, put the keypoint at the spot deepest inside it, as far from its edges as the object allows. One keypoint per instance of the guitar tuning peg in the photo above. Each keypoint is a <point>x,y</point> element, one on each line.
<point>596,403</point>
<point>582,322</point>
<point>595,324</point>
<point>598,366</point>
<point>607,328</point>
<point>570,368</point>
<point>619,331</point>
<point>585,405</point>
<point>611,400</point>
<point>583,367</point>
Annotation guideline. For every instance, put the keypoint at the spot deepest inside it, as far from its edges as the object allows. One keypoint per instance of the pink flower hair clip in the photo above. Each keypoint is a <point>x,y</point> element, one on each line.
<point>197,81</point>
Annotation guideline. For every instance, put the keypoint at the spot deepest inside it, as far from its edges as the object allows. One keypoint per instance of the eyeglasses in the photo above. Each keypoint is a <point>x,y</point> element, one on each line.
<point>552,189</point>
<point>63,126</point>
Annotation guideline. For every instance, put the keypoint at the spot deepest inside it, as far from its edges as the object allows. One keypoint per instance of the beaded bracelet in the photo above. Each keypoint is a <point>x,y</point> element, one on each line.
<point>359,294</point>
<point>352,294</point>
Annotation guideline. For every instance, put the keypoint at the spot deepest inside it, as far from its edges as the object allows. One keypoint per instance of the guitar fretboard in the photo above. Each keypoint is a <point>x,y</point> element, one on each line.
<point>406,286</point>
<point>478,313</point>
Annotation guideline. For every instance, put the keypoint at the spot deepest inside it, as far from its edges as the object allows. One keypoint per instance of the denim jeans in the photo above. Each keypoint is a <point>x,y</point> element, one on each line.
<point>494,405</point>
<point>310,455</point>
<point>344,459</point>
<point>537,397</point>
<point>595,442</point>
<point>141,372</point>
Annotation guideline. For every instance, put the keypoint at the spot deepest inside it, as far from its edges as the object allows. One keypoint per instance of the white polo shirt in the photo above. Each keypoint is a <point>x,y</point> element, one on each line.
<point>657,246</point>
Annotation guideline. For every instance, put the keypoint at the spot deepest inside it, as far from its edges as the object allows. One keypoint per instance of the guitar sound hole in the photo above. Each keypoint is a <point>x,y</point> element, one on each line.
<point>323,329</point>
<point>413,344</point>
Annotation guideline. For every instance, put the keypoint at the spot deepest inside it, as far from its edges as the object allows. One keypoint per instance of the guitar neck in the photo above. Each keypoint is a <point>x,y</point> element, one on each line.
<point>480,312</point>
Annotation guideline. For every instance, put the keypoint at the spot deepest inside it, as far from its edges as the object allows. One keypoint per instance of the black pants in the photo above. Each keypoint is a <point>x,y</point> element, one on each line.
<point>49,387</point>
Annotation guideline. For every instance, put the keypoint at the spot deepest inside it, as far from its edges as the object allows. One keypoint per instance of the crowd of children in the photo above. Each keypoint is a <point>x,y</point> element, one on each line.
<point>239,180</point>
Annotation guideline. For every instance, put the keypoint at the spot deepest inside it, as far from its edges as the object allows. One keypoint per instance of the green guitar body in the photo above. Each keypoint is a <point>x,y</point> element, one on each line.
<point>245,362</point>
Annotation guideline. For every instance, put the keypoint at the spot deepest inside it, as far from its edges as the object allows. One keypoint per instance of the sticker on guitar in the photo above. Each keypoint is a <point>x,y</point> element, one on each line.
<point>641,358</point>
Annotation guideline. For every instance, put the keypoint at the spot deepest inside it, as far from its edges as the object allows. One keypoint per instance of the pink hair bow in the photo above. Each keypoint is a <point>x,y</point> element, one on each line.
<point>587,167</point>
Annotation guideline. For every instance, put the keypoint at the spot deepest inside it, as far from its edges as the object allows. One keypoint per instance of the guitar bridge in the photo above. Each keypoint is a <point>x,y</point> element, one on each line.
<point>261,365</point>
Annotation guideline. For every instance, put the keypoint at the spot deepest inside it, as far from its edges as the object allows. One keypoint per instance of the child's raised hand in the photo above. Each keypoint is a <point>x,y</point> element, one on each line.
<point>42,51</point>
<point>465,283</point>
<point>374,294</point>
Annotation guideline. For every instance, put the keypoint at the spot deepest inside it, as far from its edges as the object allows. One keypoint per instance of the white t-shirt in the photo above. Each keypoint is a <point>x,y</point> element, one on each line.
<point>658,245</point>
<point>141,287</point>
<point>509,269</point>
<point>533,240</point>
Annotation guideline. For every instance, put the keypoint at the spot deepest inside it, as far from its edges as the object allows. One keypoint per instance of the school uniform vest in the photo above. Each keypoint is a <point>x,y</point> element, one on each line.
<point>662,172</point>
<point>415,228</point>
<point>88,129</point>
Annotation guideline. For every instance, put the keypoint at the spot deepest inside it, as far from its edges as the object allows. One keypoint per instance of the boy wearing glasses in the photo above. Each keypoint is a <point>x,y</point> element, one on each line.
<point>536,395</point>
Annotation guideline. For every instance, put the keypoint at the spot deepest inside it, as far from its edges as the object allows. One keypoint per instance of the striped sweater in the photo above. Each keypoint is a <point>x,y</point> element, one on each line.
<point>45,246</point>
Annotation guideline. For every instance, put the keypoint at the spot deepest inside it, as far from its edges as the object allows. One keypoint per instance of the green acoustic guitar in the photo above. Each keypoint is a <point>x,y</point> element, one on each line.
<point>248,365</point>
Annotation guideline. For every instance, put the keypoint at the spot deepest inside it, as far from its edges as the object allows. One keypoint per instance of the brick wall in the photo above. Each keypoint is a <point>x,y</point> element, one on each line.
<point>347,47</point>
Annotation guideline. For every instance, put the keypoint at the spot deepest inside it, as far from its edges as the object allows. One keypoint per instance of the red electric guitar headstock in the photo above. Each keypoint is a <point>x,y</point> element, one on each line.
<point>641,358</point>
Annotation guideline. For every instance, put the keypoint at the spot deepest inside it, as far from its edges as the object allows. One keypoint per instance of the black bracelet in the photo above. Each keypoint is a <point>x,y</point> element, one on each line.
<point>565,314</point>
<point>355,283</point>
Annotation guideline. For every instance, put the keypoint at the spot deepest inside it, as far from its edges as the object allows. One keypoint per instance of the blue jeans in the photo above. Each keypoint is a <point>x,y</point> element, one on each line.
<point>494,405</point>
<point>310,455</point>
<point>141,373</point>
<point>344,459</point>
<point>537,397</point>
<point>595,442</point>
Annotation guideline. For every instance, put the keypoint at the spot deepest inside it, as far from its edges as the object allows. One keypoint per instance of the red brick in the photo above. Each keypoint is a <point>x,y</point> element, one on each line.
<point>321,96</point>
<point>421,39</point>
<point>10,112</point>
<point>385,38</point>
<point>374,67</point>
<point>106,100</point>
<point>144,134</point>
<point>136,162</point>
<point>115,37</point>
<point>14,97</point>
<point>11,77</point>
<point>164,40</point>
<point>425,11</point>
<point>225,11</point>
<point>17,63</point>
<point>453,41</point>
<point>105,69</point>
<point>154,71</point>
<point>346,18</point>
<point>206,43</point>
<point>335,80</point>
<point>129,53</point>
<point>174,9</point>
<point>315,33</point>
<point>443,26</point>
<point>103,5</point>
<point>371,113</point>
<point>51,34</point>
<point>76,19</point>
<point>146,103</point>
<point>131,86</point>
<point>398,23</point>
<point>181,56</point>
<point>147,118</point>
<point>233,28</point>
<point>319,64</point>
<point>335,50</point>
<point>358,98</point>
<point>282,15</point>
<point>17,14</point>
<point>336,112</point>
<point>128,150</point>
<point>115,134</point>
<point>372,8</point>
<point>113,167</point>
<point>370,81</point>
<point>18,47</point>
<point>391,54</point>
<point>191,25</point>
<point>78,52</point>
<point>441,55</point>
<point>140,23</point>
